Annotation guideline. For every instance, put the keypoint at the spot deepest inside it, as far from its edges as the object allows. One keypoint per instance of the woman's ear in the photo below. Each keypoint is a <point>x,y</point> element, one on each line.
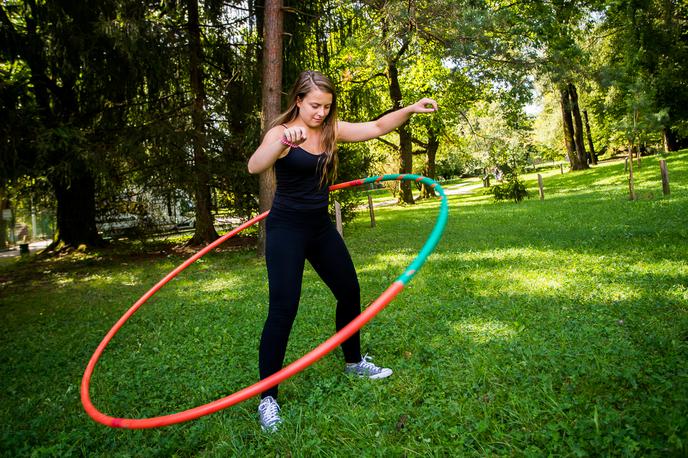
<point>299,101</point>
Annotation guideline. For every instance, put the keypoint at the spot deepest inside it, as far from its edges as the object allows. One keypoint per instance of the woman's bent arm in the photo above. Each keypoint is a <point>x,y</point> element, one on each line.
<point>272,147</point>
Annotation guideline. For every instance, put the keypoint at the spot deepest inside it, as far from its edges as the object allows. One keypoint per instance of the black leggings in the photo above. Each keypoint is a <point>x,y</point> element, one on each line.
<point>293,237</point>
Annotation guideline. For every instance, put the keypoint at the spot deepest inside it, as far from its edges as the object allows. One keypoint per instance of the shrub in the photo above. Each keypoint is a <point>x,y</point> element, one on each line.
<point>511,188</point>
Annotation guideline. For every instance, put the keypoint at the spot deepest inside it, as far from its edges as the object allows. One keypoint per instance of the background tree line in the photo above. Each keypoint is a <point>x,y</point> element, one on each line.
<point>105,102</point>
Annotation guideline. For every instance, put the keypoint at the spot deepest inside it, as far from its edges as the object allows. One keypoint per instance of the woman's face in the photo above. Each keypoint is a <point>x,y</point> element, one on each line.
<point>314,107</point>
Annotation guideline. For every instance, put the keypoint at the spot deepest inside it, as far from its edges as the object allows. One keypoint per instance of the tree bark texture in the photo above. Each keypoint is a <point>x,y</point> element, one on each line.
<point>433,146</point>
<point>76,205</point>
<point>271,98</point>
<point>669,137</point>
<point>405,143</point>
<point>593,156</point>
<point>569,133</point>
<point>577,127</point>
<point>204,230</point>
<point>567,124</point>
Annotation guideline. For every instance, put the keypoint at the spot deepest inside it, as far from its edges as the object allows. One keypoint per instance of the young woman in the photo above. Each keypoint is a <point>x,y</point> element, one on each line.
<point>302,146</point>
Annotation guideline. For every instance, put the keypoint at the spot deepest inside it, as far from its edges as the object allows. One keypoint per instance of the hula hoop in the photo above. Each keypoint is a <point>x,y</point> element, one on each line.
<point>293,368</point>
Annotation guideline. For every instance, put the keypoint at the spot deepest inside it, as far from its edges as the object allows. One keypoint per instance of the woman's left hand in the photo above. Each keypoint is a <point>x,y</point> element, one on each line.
<point>424,105</point>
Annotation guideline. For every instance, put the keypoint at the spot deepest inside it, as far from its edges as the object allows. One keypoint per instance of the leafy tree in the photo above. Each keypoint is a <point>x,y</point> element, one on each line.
<point>71,78</point>
<point>396,62</point>
<point>645,53</point>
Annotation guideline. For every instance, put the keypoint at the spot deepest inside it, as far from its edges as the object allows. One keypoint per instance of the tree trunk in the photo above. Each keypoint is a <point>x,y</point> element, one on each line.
<point>567,119</point>
<point>593,156</point>
<point>405,144</point>
<point>568,127</point>
<point>578,128</point>
<point>433,146</point>
<point>4,204</point>
<point>669,137</point>
<point>204,230</point>
<point>272,90</point>
<point>76,206</point>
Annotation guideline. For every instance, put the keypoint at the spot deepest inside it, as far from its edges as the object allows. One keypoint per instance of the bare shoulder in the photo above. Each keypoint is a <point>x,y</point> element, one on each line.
<point>274,133</point>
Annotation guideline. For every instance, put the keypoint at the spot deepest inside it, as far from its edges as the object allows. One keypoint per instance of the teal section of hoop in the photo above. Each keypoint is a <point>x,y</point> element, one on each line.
<point>437,231</point>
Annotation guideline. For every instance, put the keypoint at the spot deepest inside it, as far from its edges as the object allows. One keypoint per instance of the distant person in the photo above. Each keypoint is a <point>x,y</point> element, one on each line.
<point>23,234</point>
<point>498,174</point>
<point>302,146</point>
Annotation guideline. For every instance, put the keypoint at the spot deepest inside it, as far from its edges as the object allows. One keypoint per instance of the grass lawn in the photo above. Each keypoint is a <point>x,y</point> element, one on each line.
<point>555,327</point>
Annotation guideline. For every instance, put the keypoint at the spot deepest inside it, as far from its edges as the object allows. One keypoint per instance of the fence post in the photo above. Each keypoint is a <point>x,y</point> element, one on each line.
<point>665,177</point>
<point>542,189</point>
<point>631,188</point>
<point>637,156</point>
<point>371,209</point>
<point>338,218</point>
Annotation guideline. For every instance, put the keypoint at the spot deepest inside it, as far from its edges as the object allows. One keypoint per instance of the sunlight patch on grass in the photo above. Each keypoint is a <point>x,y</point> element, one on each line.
<point>63,281</point>
<point>549,273</point>
<point>484,331</point>
<point>393,263</point>
<point>680,293</point>
<point>215,284</point>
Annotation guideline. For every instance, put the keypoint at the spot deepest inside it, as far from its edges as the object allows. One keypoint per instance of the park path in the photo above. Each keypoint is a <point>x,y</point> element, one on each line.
<point>466,187</point>
<point>33,247</point>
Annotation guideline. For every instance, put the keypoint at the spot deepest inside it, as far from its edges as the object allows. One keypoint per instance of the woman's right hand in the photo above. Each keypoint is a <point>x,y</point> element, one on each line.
<point>294,135</point>
<point>273,147</point>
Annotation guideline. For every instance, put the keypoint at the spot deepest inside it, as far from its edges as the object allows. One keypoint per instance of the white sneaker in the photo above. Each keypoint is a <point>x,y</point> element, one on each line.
<point>367,369</point>
<point>269,410</point>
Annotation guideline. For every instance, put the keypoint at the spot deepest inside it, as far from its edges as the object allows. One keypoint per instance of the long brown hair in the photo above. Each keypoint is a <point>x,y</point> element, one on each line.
<point>305,83</point>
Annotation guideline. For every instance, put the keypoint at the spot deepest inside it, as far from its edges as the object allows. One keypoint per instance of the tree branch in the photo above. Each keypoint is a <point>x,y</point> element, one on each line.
<point>419,143</point>
<point>388,143</point>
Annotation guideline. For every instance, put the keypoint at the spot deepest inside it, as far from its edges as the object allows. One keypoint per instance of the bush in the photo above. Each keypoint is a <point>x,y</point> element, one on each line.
<point>511,188</point>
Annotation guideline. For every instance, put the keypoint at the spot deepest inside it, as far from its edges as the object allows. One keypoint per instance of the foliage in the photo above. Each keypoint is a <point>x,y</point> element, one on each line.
<point>510,189</point>
<point>457,162</point>
<point>493,142</point>
<point>101,88</point>
<point>354,163</point>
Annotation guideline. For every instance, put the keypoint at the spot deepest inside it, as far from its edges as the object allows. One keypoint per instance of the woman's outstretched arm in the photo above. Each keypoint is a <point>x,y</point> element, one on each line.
<point>362,131</point>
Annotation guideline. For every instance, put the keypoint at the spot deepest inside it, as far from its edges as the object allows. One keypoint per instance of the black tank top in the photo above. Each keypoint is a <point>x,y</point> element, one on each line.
<point>298,177</point>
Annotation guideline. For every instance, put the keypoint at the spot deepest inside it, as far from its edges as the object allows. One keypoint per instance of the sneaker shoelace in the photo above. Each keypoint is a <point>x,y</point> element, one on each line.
<point>269,411</point>
<point>367,366</point>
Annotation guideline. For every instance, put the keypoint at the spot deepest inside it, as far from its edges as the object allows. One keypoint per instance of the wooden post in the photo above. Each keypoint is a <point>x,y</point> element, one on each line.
<point>561,167</point>
<point>637,155</point>
<point>631,189</point>
<point>626,164</point>
<point>542,189</point>
<point>665,177</point>
<point>338,218</point>
<point>372,211</point>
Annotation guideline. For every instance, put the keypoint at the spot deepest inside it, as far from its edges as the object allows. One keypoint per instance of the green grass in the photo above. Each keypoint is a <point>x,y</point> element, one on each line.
<point>555,327</point>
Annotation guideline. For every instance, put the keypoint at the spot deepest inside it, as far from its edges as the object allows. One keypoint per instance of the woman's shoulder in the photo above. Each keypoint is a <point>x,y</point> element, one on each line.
<point>275,132</point>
